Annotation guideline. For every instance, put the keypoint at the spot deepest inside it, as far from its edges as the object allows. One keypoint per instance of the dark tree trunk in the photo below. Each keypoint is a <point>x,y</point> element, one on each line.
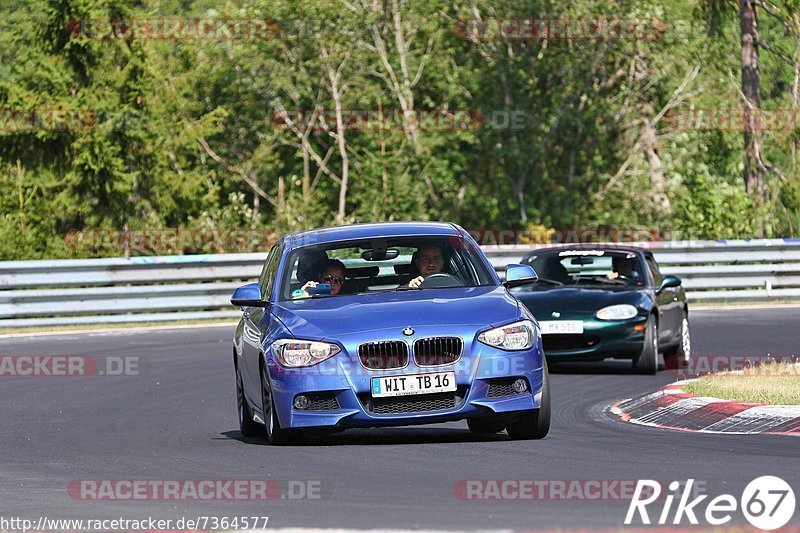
<point>754,175</point>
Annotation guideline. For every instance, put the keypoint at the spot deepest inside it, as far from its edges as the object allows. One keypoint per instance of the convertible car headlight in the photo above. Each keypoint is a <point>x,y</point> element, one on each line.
<point>617,312</point>
<point>516,336</point>
<point>295,353</point>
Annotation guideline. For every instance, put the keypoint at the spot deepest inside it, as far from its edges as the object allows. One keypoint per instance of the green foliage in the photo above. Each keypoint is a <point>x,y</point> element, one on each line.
<point>187,137</point>
<point>709,206</point>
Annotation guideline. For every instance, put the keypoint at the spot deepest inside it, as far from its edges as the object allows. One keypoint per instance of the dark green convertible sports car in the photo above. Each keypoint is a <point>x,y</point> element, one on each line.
<point>594,302</point>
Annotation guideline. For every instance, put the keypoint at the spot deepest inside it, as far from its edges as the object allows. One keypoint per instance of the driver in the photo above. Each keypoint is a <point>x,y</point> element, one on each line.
<point>623,268</point>
<point>429,261</point>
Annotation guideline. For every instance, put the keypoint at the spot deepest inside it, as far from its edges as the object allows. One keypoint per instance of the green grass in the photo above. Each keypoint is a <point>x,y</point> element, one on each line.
<point>769,383</point>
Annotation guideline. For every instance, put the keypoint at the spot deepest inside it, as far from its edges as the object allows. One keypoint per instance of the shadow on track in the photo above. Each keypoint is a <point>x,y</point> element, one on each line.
<point>606,367</point>
<point>383,436</point>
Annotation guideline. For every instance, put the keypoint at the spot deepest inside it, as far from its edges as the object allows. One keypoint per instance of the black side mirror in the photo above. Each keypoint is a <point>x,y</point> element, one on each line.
<point>518,275</point>
<point>669,281</point>
<point>248,296</point>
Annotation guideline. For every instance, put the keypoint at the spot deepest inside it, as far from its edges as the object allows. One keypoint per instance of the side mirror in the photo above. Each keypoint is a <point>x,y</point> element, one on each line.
<point>517,275</point>
<point>669,281</point>
<point>248,296</point>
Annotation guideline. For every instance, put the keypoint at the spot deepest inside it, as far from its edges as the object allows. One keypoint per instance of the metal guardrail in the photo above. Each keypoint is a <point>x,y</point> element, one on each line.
<point>159,289</point>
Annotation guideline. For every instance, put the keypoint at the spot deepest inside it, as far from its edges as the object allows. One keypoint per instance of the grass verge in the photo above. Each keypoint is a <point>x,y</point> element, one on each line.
<point>768,383</point>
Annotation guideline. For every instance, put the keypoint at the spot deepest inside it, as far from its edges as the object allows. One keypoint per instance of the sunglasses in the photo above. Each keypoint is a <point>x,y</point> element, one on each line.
<point>333,280</point>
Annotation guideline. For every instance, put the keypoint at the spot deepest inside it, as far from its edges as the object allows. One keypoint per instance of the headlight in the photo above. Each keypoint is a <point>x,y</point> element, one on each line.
<point>516,336</point>
<point>617,312</point>
<point>295,353</point>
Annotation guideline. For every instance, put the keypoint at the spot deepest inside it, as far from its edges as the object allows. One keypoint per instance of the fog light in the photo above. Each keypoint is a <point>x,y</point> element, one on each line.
<point>301,402</point>
<point>520,385</point>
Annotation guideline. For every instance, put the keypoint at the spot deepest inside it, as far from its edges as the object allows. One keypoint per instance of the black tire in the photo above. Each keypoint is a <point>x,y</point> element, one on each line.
<point>678,358</point>
<point>485,425</point>
<point>247,426</point>
<point>276,435</point>
<point>534,424</point>
<point>647,360</point>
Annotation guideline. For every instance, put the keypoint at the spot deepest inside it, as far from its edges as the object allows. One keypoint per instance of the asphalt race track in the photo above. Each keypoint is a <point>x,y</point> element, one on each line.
<point>177,420</point>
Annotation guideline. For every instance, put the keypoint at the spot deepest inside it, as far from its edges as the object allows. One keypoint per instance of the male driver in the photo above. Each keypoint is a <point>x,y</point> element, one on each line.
<point>624,268</point>
<point>430,260</point>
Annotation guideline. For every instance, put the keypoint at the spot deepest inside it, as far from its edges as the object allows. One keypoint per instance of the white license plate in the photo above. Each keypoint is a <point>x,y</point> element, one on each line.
<point>413,384</point>
<point>550,327</point>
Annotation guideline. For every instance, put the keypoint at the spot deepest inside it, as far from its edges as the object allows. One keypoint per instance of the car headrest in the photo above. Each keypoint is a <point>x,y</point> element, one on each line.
<point>309,263</point>
<point>402,270</point>
<point>411,268</point>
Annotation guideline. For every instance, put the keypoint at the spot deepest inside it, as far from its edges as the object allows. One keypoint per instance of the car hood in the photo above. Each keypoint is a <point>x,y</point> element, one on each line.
<point>578,300</point>
<point>329,317</point>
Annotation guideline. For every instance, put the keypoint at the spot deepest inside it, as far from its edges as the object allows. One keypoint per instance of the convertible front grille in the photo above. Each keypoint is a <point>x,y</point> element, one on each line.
<point>568,341</point>
<point>383,355</point>
<point>417,403</point>
<point>438,351</point>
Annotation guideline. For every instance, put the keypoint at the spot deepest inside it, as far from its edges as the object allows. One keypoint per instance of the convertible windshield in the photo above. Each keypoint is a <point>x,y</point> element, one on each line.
<point>607,268</point>
<point>383,264</point>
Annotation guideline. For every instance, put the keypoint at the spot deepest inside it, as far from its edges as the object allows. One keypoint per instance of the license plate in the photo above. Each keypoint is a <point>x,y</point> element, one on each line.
<point>413,384</point>
<point>550,327</point>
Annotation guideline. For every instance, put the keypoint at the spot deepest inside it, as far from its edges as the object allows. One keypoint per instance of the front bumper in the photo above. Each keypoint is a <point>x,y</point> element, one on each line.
<point>482,372</point>
<point>600,339</point>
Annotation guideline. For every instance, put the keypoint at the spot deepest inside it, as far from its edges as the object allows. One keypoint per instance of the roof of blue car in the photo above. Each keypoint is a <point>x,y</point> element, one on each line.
<point>366,231</point>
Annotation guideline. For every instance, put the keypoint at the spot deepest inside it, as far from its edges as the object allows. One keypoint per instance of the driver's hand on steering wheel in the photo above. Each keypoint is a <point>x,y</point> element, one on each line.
<point>416,282</point>
<point>613,275</point>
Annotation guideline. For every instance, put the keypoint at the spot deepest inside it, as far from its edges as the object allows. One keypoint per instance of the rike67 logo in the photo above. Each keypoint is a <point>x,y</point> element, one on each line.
<point>767,502</point>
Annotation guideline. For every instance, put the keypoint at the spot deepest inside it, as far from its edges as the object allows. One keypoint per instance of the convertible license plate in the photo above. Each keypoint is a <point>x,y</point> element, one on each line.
<point>550,327</point>
<point>413,384</point>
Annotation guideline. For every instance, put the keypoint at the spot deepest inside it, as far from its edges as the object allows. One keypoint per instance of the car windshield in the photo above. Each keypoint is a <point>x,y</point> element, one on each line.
<point>568,267</point>
<point>385,264</point>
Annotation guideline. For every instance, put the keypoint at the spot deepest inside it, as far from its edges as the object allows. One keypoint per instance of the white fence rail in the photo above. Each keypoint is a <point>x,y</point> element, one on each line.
<point>156,289</point>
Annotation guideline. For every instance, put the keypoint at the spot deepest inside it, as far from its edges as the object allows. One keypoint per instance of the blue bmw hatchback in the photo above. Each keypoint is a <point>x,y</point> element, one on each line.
<point>389,324</point>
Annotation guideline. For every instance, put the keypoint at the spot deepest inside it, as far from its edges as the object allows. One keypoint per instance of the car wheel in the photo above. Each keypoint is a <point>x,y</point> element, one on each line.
<point>678,358</point>
<point>247,426</point>
<point>647,360</point>
<point>534,424</point>
<point>276,435</point>
<point>485,425</point>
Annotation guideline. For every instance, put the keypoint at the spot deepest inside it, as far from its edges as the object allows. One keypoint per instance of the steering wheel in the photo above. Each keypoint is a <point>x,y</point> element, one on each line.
<point>440,281</point>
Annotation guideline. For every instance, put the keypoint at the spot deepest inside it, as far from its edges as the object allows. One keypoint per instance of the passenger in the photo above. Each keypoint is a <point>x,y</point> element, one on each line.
<point>331,271</point>
<point>429,260</point>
